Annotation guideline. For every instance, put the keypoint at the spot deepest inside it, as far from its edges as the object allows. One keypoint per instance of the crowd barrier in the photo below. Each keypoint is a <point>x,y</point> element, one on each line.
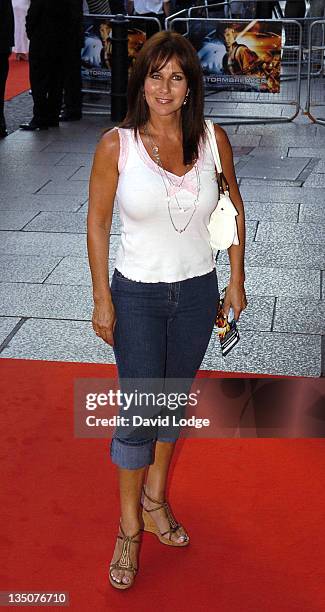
<point>301,59</point>
<point>96,58</point>
<point>315,99</point>
<point>248,106</point>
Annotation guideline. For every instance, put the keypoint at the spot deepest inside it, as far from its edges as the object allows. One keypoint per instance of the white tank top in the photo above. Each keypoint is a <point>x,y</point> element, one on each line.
<point>151,250</point>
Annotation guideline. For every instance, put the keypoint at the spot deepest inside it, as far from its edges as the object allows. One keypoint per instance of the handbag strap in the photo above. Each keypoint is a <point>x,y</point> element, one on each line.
<point>216,157</point>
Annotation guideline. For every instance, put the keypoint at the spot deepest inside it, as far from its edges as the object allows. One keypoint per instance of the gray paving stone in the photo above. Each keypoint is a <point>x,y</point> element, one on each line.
<point>278,194</point>
<point>36,203</point>
<point>75,271</point>
<point>268,353</point>
<point>46,301</point>
<point>74,146</point>
<point>313,151</point>
<point>269,152</point>
<point>273,168</point>
<point>34,243</point>
<point>305,315</point>
<point>269,183</point>
<point>12,143</point>
<point>74,341</point>
<point>292,129</point>
<point>15,219</point>
<point>320,167</point>
<point>37,243</point>
<point>74,188</point>
<point>32,158</point>
<point>315,180</point>
<point>281,255</point>
<point>18,109</point>
<point>271,211</point>
<point>26,268</point>
<point>58,222</point>
<point>82,174</point>
<point>312,212</point>
<point>20,188</point>
<point>74,159</point>
<point>245,110</point>
<point>66,222</point>
<point>265,194</point>
<point>290,140</point>
<point>88,136</point>
<point>25,137</point>
<point>39,175</point>
<point>6,326</point>
<point>277,281</point>
<point>244,140</point>
<point>291,233</point>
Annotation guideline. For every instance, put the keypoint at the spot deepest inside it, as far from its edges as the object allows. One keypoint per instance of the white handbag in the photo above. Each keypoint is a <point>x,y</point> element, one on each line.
<point>222,225</point>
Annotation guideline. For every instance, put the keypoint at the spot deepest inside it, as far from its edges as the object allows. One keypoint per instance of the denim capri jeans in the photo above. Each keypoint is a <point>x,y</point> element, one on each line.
<point>162,332</point>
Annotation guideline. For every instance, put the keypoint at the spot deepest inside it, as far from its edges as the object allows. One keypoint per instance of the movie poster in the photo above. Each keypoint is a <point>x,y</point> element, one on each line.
<point>240,56</point>
<point>96,54</point>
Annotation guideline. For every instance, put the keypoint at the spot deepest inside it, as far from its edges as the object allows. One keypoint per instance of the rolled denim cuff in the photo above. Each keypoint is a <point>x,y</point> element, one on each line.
<point>132,455</point>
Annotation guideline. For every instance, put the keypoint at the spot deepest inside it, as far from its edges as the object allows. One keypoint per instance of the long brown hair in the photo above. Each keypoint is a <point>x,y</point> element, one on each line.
<point>155,53</point>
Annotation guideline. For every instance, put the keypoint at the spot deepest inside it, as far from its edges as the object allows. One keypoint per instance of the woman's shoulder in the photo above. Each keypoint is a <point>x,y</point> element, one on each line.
<point>109,145</point>
<point>110,139</point>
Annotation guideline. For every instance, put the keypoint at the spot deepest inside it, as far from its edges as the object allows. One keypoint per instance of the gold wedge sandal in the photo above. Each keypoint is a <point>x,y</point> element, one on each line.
<point>124,562</point>
<point>150,525</point>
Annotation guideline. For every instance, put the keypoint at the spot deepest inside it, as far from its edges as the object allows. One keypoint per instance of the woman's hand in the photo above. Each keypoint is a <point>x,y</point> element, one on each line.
<point>235,297</point>
<point>104,320</point>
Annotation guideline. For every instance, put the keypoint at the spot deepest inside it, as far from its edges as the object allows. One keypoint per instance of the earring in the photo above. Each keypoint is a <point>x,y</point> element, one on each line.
<point>185,99</point>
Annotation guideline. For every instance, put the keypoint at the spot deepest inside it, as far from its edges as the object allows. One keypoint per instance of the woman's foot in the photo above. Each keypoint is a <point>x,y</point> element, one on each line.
<point>158,513</point>
<point>124,564</point>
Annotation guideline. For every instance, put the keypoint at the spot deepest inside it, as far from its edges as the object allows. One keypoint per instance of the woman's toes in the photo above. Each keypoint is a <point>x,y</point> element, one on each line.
<point>182,537</point>
<point>126,579</point>
<point>116,576</point>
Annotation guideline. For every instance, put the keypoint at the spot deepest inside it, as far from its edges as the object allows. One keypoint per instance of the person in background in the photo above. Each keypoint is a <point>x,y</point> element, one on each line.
<point>7,41</point>
<point>105,7</point>
<point>48,27</point>
<point>21,41</point>
<point>293,10</point>
<point>150,8</point>
<point>317,9</point>
<point>264,10</point>
<point>72,64</point>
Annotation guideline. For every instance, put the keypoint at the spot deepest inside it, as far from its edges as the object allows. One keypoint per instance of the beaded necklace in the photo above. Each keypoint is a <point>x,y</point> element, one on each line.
<point>169,183</point>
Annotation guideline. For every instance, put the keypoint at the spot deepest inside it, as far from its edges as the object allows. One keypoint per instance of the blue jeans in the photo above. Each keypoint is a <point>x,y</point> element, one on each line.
<point>162,332</point>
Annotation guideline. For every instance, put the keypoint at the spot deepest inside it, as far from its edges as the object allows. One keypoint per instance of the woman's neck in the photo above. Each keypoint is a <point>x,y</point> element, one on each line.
<point>169,127</point>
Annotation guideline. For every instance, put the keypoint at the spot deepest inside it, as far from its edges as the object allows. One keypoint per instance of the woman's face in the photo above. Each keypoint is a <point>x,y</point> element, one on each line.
<point>166,89</point>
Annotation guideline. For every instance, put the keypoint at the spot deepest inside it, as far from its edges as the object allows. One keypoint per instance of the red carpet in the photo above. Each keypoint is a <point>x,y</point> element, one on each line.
<point>254,510</point>
<point>18,77</point>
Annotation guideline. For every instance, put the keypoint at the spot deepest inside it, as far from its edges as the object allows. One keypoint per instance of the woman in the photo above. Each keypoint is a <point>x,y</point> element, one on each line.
<point>159,312</point>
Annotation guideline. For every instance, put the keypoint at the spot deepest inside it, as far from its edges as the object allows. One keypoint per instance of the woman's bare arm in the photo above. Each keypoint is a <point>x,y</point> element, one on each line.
<point>102,189</point>
<point>235,295</point>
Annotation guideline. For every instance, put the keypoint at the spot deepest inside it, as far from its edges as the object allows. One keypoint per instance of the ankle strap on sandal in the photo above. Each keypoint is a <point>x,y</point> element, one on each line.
<point>171,519</point>
<point>126,537</point>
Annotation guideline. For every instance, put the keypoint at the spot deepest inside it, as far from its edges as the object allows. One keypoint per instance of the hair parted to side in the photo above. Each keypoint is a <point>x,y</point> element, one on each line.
<point>155,53</point>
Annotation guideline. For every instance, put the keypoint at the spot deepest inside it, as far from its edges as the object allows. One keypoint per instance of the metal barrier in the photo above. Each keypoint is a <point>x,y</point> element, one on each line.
<point>96,77</point>
<point>315,101</point>
<point>243,106</point>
